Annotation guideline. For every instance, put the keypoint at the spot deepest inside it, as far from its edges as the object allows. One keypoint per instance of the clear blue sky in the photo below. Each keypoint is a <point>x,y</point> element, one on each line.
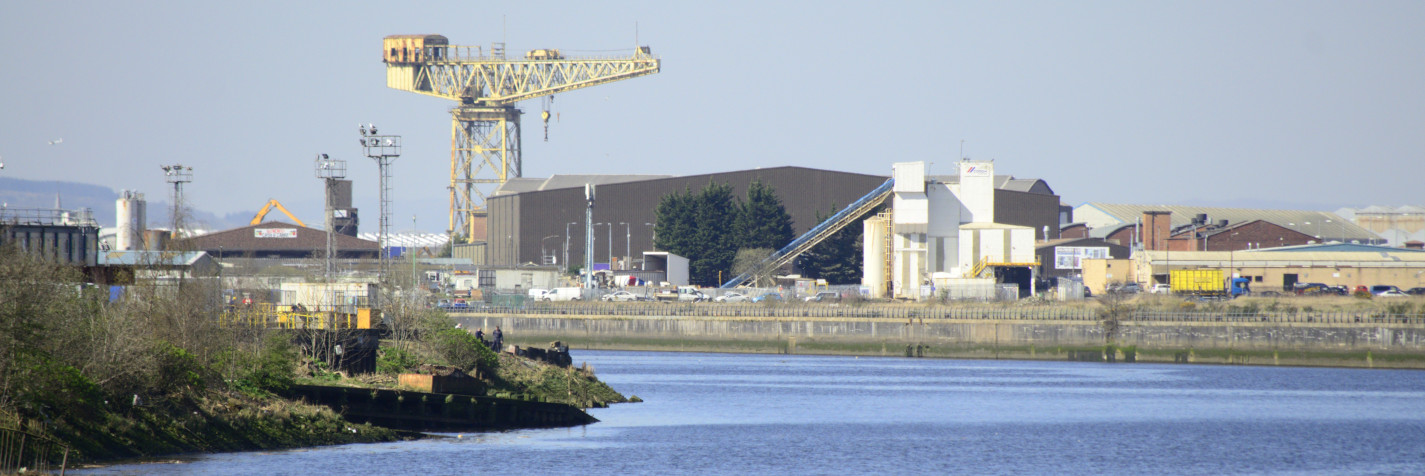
<point>1317,104</point>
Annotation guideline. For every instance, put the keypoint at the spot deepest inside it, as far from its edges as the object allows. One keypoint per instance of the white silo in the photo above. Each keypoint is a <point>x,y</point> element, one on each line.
<point>132,215</point>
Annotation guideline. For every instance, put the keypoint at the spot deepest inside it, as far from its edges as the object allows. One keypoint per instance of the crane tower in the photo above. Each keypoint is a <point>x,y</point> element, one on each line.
<point>485,125</point>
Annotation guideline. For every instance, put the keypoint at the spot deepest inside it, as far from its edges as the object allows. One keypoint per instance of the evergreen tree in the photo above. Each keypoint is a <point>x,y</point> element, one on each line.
<point>837,259</point>
<point>716,212</point>
<point>675,224</point>
<point>764,222</point>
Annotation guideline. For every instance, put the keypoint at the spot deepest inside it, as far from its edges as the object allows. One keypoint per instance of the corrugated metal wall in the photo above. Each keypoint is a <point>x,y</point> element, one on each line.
<point>520,222</point>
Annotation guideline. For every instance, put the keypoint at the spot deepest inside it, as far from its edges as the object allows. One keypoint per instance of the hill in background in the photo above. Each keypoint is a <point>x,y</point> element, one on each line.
<point>20,193</point>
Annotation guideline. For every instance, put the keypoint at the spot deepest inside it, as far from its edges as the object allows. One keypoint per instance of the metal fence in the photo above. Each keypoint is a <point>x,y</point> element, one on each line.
<point>889,311</point>
<point>25,452</point>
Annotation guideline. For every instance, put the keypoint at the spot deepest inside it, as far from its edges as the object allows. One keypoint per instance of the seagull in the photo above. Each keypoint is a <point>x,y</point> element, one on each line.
<point>57,141</point>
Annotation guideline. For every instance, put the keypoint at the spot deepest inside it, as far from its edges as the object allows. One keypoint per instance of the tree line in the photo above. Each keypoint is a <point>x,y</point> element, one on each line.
<point>723,235</point>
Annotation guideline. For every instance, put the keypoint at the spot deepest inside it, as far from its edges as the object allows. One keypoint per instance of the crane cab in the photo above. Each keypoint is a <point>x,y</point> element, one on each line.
<point>413,48</point>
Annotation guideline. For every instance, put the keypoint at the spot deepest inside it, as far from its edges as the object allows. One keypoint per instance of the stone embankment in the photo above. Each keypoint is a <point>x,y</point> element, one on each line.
<point>1344,340</point>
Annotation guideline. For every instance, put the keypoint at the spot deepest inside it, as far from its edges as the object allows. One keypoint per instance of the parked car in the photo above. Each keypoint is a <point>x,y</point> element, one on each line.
<point>769,297</point>
<point>459,305</point>
<point>620,296</point>
<point>824,296</point>
<point>1161,289</point>
<point>443,304</point>
<point>1392,293</point>
<point>537,294</point>
<point>1312,289</point>
<point>1381,289</point>
<point>1415,291</point>
<point>732,297</point>
<point>1128,288</point>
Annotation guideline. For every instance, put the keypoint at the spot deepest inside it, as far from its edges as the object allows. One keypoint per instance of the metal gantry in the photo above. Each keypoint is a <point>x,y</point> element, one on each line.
<point>485,125</point>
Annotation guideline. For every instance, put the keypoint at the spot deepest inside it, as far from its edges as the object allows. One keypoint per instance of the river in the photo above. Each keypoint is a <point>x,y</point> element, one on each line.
<point>758,413</point>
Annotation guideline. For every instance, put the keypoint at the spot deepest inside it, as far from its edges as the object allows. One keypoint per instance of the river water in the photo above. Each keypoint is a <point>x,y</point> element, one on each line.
<point>770,414</point>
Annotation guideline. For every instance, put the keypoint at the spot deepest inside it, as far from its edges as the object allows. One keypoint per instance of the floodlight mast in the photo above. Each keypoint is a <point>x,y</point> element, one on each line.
<point>177,174</point>
<point>382,149</point>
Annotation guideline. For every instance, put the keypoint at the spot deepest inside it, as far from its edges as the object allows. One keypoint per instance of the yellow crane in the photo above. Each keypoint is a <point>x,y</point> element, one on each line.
<point>256,220</point>
<point>485,125</point>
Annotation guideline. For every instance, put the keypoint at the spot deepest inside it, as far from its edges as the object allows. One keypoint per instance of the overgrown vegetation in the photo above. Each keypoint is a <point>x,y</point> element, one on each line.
<point>152,373</point>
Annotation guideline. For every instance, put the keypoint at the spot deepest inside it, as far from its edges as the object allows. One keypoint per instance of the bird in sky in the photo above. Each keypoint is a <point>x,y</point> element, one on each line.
<point>57,141</point>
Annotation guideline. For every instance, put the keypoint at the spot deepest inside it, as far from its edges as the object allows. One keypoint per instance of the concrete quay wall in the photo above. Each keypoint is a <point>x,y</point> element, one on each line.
<point>1365,344</point>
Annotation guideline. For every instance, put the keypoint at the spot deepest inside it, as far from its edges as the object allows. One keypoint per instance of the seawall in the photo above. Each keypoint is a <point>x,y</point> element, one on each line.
<point>1381,343</point>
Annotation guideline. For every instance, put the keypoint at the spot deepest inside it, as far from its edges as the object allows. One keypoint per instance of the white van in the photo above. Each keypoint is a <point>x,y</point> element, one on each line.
<point>565,294</point>
<point>537,294</point>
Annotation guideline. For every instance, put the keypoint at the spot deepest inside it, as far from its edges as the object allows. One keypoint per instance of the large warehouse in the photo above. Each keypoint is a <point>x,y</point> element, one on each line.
<point>529,217</point>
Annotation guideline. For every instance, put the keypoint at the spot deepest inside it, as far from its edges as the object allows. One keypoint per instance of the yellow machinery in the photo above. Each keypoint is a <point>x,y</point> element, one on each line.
<point>268,207</point>
<point>485,125</point>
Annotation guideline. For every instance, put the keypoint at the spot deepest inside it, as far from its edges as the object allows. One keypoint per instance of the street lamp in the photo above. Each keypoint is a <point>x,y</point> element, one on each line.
<point>544,252</point>
<point>610,256</point>
<point>627,244</point>
<point>566,246</point>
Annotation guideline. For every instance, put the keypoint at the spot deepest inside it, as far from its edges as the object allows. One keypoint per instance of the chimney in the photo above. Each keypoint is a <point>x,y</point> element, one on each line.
<point>1156,229</point>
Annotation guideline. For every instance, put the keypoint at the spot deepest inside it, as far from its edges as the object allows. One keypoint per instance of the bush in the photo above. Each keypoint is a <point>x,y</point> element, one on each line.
<point>268,372</point>
<point>394,360</point>
<point>461,349</point>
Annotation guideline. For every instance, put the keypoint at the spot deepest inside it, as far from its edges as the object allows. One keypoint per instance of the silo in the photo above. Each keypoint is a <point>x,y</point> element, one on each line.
<point>873,271</point>
<point>132,215</point>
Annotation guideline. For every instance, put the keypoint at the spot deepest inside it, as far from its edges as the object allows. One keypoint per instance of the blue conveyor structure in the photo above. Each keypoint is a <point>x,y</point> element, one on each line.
<point>815,235</point>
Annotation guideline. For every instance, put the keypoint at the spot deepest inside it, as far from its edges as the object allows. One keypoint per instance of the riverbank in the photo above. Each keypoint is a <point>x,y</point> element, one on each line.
<point>1340,341</point>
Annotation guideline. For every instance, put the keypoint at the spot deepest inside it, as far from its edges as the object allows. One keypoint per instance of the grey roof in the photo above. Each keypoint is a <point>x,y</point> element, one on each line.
<point>149,258</point>
<point>1345,247</point>
<point>1115,214</point>
<point>1005,182</point>
<point>521,185</point>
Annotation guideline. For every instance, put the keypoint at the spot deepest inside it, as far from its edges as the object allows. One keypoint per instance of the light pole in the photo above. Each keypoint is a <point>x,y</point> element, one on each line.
<point>177,174</point>
<point>382,149</point>
<point>610,256</point>
<point>544,254</point>
<point>653,242</point>
<point>627,244</point>
<point>566,246</point>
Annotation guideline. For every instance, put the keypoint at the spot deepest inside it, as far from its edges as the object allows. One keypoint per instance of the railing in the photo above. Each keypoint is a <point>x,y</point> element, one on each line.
<point>797,310</point>
<point>25,452</point>
<point>46,216</point>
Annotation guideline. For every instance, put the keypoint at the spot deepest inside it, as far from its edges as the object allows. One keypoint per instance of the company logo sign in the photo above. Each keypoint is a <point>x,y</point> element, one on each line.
<point>975,171</point>
<point>274,232</point>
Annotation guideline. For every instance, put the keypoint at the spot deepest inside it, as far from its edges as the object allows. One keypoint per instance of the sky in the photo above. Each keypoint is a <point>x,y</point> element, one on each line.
<point>1300,104</point>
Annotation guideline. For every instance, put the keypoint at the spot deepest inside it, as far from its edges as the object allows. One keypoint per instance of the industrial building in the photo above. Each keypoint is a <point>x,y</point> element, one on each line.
<point>1396,225</point>
<point>1124,225</point>
<point>276,239</point>
<point>538,220</point>
<point>65,237</point>
<point>943,238</point>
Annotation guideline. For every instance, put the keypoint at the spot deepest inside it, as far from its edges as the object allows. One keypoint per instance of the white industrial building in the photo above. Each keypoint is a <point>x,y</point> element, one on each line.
<point>940,238</point>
